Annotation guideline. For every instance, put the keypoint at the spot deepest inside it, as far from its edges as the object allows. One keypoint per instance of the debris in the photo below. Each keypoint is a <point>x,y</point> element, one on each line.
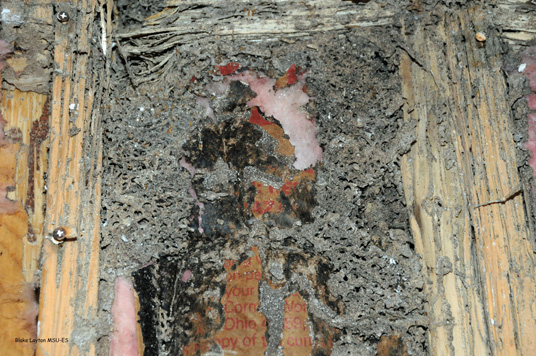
<point>123,341</point>
<point>229,68</point>
<point>480,37</point>
<point>285,105</point>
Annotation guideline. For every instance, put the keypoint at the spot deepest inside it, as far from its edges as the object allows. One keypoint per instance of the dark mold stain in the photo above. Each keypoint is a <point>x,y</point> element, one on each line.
<point>392,346</point>
<point>221,217</point>
<point>234,143</point>
<point>38,134</point>
<point>239,95</point>
<point>147,294</point>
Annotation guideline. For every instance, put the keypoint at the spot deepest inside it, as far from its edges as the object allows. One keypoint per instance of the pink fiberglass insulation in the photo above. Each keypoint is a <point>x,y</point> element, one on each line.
<point>205,103</point>
<point>532,101</point>
<point>5,51</point>
<point>124,341</point>
<point>285,105</point>
<point>528,65</point>
<point>200,218</point>
<point>186,276</point>
<point>215,89</point>
<point>531,143</point>
<point>529,59</point>
<point>188,166</point>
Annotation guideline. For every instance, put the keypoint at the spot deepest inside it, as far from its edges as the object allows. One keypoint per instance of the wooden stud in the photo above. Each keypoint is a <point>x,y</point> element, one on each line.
<point>69,288</point>
<point>462,185</point>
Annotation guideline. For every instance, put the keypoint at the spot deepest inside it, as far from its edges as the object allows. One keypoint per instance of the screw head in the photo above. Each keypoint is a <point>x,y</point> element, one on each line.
<point>59,234</point>
<point>63,16</point>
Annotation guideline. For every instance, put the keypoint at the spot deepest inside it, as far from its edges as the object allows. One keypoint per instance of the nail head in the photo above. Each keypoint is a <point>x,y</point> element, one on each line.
<point>59,234</point>
<point>63,16</point>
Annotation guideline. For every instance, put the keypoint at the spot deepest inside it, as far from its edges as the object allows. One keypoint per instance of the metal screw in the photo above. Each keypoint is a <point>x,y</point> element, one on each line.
<point>63,16</point>
<point>59,234</point>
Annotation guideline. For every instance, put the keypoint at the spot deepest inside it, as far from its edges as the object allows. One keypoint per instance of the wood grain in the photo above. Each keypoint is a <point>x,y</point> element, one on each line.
<point>22,166</point>
<point>69,290</point>
<point>516,21</point>
<point>26,115</point>
<point>260,18</point>
<point>476,252</point>
<point>18,308</point>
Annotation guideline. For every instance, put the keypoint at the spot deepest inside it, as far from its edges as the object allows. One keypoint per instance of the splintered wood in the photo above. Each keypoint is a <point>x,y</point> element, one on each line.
<point>462,186</point>
<point>178,24</point>
<point>22,166</point>
<point>69,287</point>
<point>516,20</point>
<point>26,115</point>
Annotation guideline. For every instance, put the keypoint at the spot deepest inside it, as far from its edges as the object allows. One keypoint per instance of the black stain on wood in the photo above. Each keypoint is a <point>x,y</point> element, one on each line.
<point>38,134</point>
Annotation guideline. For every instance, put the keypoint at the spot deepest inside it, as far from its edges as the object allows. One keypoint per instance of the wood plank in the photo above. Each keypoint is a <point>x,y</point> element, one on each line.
<point>23,163</point>
<point>18,308</point>
<point>516,21</point>
<point>26,115</point>
<point>69,290</point>
<point>477,255</point>
<point>22,167</point>
<point>260,18</point>
<point>17,302</point>
<point>192,21</point>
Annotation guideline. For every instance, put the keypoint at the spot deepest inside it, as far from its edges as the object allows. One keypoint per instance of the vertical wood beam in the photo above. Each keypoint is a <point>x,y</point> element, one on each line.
<point>26,115</point>
<point>23,163</point>
<point>476,248</point>
<point>69,290</point>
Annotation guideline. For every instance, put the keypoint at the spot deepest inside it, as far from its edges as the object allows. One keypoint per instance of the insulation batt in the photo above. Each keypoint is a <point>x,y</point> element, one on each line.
<point>124,340</point>
<point>532,101</point>
<point>529,59</point>
<point>284,105</point>
<point>529,70</point>
<point>531,144</point>
<point>204,103</point>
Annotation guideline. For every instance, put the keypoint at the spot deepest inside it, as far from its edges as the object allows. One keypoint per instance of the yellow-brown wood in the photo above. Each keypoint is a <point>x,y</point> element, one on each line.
<point>516,20</point>
<point>477,256</point>
<point>16,300</point>
<point>26,115</point>
<point>69,290</point>
<point>18,308</point>
<point>22,166</point>
<point>139,335</point>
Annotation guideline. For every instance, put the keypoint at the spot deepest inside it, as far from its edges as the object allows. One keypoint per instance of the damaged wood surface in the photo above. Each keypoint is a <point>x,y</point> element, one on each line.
<point>515,19</point>
<point>22,167</point>
<point>201,18</point>
<point>467,209</point>
<point>23,163</point>
<point>69,287</point>
<point>462,186</point>
<point>28,25</point>
<point>184,23</point>
<point>26,115</point>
